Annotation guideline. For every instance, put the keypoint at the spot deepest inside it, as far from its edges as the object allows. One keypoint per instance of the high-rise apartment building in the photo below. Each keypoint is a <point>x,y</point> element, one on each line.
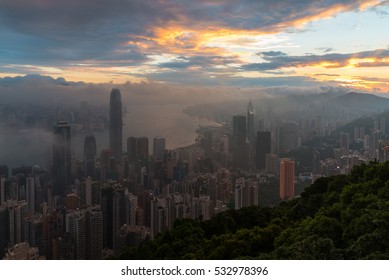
<point>142,145</point>
<point>246,193</point>
<point>15,213</point>
<point>286,178</point>
<point>263,147</point>
<point>159,146</point>
<point>286,137</point>
<point>61,168</point>
<point>107,209</point>
<point>4,230</point>
<point>2,190</point>
<point>250,121</point>
<point>34,231</point>
<point>344,141</point>
<point>53,228</point>
<point>131,148</point>
<point>240,149</point>
<point>90,152</point>
<point>86,229</point>
<point>159,216</point>
<point>30,189</point>
<point>115,124</point>
<point>94,227</point>
<point>137,148</point>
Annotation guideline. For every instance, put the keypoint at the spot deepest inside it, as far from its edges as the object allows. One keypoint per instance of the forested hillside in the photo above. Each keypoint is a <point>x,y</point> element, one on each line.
<point>340,217</point>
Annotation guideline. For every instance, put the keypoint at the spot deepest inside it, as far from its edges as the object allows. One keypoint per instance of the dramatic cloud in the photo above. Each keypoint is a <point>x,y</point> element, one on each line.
<point>194,41</point>
<point>95,30</point>
<point>331,60</point>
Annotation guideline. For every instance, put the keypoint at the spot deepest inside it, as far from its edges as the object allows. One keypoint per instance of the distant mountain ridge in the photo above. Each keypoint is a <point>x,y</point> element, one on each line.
<point>361,101</point>
<point>35,78</point>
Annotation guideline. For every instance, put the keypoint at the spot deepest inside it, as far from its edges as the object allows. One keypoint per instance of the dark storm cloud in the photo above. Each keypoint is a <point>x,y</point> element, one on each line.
<point>100,19</point>
<point>334,60</point>
<point>53,31</point>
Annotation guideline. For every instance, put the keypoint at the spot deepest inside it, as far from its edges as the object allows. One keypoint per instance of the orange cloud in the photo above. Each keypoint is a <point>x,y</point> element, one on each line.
<point>187,41</point>
<point>186,35</point>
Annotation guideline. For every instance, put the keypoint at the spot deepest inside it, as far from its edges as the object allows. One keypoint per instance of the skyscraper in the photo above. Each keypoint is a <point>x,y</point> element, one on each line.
<point>159,147</point>
<point>263,147</point>
<point>4,229</point>
<point>107,209</point>
<point>30,186</point>
<point>89,156</point>
<point>239,146</point>
<point>286,137</point>
<point>86,230</point>
<point>246,193</point>
<point>131,149</point>
<point>137,148</point>
<point>61,158</point>
<point>286,178</point>
<point>115,124</point>
<point>2,190</point>
<point>250,121</point>
<point>142,147</point>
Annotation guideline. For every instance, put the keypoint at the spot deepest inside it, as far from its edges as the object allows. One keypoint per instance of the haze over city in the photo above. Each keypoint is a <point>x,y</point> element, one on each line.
<point>122,121</point>
<point>185,52</point>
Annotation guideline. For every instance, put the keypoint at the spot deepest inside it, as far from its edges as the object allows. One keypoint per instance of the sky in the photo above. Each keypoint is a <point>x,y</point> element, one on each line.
<point>253,44</point>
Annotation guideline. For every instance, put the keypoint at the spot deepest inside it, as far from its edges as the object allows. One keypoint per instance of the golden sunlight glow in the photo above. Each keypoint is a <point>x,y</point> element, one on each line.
<point>359,83</point>
<point>355,62</point>
<point>328,13</point>
<point>212,41</point>
<point>185,37</point>
<point>326,64</point>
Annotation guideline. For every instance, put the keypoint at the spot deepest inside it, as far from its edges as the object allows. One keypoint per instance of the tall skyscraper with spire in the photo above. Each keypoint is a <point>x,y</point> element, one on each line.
<point>115,124</point>
<point>61,158</point>
<point>250,133</point>
<point>250,121</point>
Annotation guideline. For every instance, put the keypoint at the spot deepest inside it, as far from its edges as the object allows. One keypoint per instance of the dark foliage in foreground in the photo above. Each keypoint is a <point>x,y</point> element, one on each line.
<point>340,217</point>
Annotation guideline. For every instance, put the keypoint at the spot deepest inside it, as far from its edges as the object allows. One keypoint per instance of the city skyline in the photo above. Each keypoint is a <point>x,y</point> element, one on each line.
<point>202,43</point>
<point>227,124</point>
<point>96,207</point>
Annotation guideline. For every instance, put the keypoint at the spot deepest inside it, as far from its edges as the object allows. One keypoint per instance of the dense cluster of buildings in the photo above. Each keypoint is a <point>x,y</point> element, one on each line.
<point>94,207</point>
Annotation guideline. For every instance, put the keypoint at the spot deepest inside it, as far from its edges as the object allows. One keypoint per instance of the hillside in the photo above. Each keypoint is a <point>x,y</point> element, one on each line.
<point>340,217</point>
<point>362,101</point>
<point>366,121</point>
